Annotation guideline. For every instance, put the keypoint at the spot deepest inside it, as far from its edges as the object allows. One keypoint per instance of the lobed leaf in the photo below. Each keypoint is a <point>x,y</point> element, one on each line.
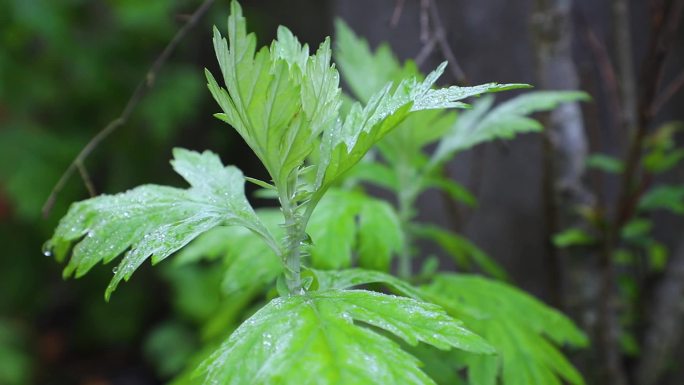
<point>523,330</point>
<point>345,222</point>
<point>279,99</point>
<point>666,197</point>
<point>387,106</point>
<point>605,163</point>
<point>313,339</point>
<point>484,123</point>
<point>460,249</point>
<point>248,263</point>
<point>153,221</point>
<point>348,278</point>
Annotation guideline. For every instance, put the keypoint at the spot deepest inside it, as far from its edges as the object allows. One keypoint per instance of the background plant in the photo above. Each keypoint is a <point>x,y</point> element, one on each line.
<point>283,103</point>
<point>69,334</point>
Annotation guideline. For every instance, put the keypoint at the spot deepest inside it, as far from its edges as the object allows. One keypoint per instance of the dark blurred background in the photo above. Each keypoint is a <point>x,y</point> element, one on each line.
<point>68,67</point>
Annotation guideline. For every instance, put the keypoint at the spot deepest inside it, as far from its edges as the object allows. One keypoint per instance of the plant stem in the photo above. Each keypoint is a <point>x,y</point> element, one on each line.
<point>405,268</point>
<point>294,234</point>
<point>406,196</point>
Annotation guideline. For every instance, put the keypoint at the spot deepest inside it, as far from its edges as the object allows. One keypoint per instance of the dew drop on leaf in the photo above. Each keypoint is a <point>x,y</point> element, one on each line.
<point>47,249</point>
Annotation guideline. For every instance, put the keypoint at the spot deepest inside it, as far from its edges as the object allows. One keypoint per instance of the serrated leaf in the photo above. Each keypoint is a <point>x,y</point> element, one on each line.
<point>573,237</point>
<point>504,121</point>
<point>313,338</point>
<point>661,160</point>
<point>460,249</point>
<point>456,191</point>
<point>666,197</point>
<point>349,278</point>
<point>373,172</point>
<point>366,71</point>
<point>636,229</point>
<point>662,152</point>
<point>379,236</point>
<point>345,222</point>
<point>405,145</point>
<point>524,331</point>
<point>443,367</point>
<point>605,163</point>
<point>153,221</point>
<point>279,100</point>
<point>333,228</point>
<point>386,106</point>
<point>247,261</point>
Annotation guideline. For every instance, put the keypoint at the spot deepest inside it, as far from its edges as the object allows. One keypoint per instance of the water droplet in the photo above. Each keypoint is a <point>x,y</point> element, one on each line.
<point>47,249</point>
<point>115,269</point>
<point>267,340</point>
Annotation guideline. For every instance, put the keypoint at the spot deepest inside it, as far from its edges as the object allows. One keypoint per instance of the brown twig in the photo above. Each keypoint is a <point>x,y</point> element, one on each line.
<point>141,89</point>
<point>86,179</point>
<point>671,89</point>
<point>427,49</point>
<point>606,73</point>
<point>396,15</point>
<point>440,35</point>
<point>665,20</point>
<point>431,38</point>
<point>424,21</point>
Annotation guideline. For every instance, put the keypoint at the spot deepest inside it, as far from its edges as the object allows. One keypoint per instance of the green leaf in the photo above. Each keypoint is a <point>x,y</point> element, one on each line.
<point>373,172</point>
<point>313,338</point>
<point>379,235</point>
<point>168,347</point>
<point>456,191</point>
<point>279,100</point>
<point>657,256</point>
<point>460,249</point>
<point>248,262</point>
<point>636,229</point>
<point>605,163</point>
<point>346,221</point>
<point>573,237</point>
<point>522,329</point>
<point>665,197</point>
<point>662,152</point>
<point>662,160</point>
<point>15,357</point>
<point>504,121</point>
<point>194,289</point>
<point>31,161</point>
<point>403,92</point>
<point>153,221</point>
<point>348,278</point>
<point>364,71</point>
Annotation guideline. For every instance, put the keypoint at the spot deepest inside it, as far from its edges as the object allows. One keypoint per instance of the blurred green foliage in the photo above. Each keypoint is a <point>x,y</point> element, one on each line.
<point>67,68</point>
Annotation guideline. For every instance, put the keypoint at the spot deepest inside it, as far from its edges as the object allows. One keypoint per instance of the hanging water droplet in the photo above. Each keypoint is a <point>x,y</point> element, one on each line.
<point>47,249</point>
<point>115,269</point>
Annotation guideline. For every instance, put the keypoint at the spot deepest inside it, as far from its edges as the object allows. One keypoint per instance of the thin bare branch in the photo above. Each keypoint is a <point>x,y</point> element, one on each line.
<point>440,34</point>
<point>607,75</point>
<point>425,52</point>
<point>424,21</point>
<point>141,89</point>
<point>86,179</point>
<point>396,15</point>
<point>671,90</point>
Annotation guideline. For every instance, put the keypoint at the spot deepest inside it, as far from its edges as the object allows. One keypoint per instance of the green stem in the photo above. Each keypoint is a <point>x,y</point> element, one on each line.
<point>294,235</point>
<point>292,252</point>
<point>407,183</point>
